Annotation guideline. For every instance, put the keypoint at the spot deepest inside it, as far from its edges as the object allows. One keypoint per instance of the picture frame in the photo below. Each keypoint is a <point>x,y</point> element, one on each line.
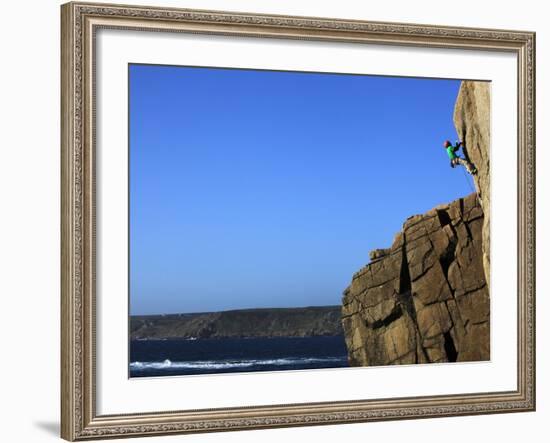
<point>80,178</point>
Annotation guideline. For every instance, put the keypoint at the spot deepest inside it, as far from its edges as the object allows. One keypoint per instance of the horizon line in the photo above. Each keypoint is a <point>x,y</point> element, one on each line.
<point>237,309</point>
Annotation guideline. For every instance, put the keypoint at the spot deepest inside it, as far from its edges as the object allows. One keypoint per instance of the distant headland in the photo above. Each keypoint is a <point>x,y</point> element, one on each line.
<point>242,323</point>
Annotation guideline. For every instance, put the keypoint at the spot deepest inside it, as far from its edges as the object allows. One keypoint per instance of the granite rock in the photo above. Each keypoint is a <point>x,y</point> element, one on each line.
<point>472,119</point>
<point>426,298</point>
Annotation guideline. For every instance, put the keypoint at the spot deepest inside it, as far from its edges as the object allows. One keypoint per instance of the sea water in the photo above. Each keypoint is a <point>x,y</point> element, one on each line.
<point>151,358</point>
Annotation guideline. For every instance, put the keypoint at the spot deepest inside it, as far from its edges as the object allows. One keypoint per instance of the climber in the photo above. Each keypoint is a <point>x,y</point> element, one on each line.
<point>455,159</point>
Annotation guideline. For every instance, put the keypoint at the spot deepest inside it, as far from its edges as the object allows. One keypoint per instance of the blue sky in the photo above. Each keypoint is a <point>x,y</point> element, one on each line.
<point>268,189</point>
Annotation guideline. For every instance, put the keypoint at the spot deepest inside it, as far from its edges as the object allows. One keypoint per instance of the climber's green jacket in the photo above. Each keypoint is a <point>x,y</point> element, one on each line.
<point>451,151</point>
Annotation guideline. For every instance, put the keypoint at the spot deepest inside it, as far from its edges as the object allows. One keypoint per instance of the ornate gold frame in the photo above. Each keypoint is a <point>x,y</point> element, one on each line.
<point>79,22</point>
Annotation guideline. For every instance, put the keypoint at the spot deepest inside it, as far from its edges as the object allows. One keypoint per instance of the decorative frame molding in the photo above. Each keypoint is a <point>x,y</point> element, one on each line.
<point>79,22</point>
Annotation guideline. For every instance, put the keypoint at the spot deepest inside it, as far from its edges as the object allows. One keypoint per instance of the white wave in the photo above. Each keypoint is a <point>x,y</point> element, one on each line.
<point>229,364</point>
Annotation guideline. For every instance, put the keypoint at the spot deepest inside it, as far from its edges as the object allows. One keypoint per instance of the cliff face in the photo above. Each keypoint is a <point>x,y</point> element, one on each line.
<point>281,322</point>
<point>472,119</point>
<point>426,299</point>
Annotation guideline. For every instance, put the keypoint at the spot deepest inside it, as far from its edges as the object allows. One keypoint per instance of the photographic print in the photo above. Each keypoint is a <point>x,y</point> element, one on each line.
<point>299,220</point>
<point>291,202</point>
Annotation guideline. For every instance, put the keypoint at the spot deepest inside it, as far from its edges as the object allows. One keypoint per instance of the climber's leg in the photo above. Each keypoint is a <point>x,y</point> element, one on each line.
<point>469,167</point>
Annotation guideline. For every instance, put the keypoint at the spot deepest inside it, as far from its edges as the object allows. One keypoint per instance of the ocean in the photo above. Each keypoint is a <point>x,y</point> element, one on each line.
<point>153,358</point>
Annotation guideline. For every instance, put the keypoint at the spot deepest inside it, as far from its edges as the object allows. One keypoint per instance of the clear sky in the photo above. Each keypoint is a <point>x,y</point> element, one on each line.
<point>268,189</point>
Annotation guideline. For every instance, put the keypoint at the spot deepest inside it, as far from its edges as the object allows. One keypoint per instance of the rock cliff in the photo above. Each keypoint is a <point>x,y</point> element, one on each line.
<point>472,119</point>
<point>426,299</point>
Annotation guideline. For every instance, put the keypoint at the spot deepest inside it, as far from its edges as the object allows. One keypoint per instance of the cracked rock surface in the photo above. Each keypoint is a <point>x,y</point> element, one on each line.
<point>473,125</point>
<point>425,299</point>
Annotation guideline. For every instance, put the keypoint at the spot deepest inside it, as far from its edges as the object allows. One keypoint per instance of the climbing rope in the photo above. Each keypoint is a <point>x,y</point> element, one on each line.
<point>467,181</point>
<point>471,187</point>
<point>464,172</point>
